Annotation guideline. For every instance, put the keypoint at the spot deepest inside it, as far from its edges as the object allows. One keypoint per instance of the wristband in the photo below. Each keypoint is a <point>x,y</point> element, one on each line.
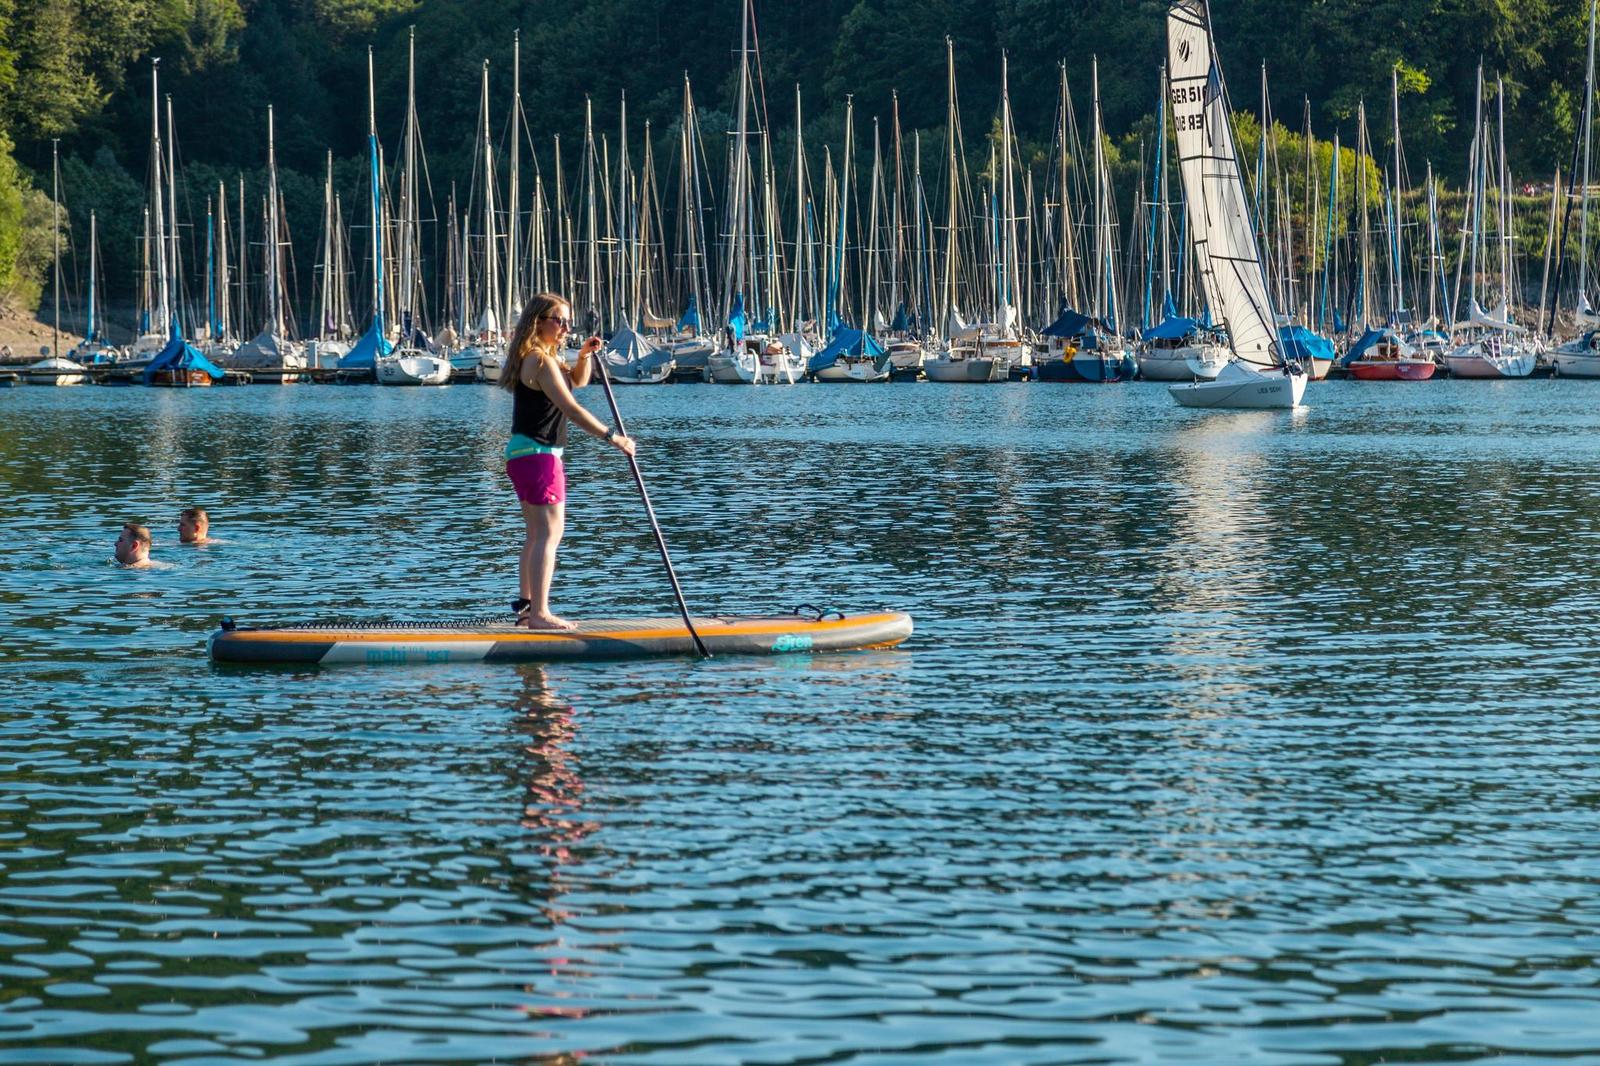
<point>611,433</point>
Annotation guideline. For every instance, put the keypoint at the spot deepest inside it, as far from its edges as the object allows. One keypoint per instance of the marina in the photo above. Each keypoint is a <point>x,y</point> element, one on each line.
<point>877,268</point>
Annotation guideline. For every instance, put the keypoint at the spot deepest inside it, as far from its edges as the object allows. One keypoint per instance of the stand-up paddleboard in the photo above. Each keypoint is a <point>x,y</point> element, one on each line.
<point>498,640</point>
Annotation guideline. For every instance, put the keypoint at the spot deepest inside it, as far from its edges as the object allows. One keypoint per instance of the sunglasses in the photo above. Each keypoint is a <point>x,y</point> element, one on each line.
<point>561,323</point>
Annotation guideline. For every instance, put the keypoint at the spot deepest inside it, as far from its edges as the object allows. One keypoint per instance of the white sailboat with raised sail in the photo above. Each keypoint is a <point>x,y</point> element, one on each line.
<point>1227,255</point>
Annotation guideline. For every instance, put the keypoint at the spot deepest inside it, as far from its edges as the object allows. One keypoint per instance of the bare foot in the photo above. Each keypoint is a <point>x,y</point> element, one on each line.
<point>535,620</point>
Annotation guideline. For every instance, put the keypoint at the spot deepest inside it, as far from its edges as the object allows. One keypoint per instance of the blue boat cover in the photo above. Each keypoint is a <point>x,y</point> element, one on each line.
<point>846,341</point>
<point>1297,342</point>
<point>1368,340</point>
<point>364,356</point>
<point>691,316</point>
<point>736,321</point>
<point>1068,323</point>
<point>179,354</point>
<point>1171,328</point>
<point>902,321</point>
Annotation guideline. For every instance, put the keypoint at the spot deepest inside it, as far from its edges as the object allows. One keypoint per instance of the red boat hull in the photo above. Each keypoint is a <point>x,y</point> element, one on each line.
<point>1392,370</point>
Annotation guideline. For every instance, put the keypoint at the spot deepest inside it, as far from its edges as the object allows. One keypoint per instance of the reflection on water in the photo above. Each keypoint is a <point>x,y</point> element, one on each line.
<point>1224,737</point>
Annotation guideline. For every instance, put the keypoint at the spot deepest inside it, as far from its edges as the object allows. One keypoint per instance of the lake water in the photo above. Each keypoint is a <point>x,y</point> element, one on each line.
<point>1224,737</point>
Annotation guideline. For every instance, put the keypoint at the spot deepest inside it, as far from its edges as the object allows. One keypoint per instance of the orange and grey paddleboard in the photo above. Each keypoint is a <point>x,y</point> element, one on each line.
<point>472,640</point>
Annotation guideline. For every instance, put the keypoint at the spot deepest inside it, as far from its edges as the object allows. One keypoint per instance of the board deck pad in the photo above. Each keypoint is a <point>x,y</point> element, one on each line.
<point>499,640</point>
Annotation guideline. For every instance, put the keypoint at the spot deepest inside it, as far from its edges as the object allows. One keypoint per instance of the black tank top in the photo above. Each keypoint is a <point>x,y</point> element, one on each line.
<point>535,416</point>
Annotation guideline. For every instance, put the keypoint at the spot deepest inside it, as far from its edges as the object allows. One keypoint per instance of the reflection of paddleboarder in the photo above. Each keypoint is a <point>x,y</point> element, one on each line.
<point>541,388</point>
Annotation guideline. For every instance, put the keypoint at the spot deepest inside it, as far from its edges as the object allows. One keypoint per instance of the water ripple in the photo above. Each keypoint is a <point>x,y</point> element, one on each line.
<point>1224,738</point>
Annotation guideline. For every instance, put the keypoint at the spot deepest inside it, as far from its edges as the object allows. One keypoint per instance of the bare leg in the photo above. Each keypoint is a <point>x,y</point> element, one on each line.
<point>545,525</point>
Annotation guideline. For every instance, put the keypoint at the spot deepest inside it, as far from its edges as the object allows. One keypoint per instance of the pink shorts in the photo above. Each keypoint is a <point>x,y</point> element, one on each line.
<point>538,478</point>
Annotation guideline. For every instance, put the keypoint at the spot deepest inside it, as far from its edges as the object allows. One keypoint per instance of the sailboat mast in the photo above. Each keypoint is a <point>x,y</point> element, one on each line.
<point>1100,251</point>
<point>325,307</point>
<point>799,209</point>
<point>90,330</point>
<point>513,293</point>
<point>274,307</point>
<point>1505,200</point>
<point>212,331</point>
<point>158,221</point>
<point>377,205</point>
<point>172,219</point>
<point>590,193</point>
<point>1396,296</point>
<point>736,192</point>
<point>55,233</point>
<point>949,303</point>
<point>1583,210</point>
<point>491,267</point>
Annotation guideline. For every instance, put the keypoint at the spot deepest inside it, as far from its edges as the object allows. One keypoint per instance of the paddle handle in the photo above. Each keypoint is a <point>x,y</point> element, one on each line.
<point>650,511</point>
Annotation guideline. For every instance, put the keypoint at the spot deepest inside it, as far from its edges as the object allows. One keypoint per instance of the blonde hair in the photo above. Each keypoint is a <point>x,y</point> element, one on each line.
<point>525,338</point>
<point>141,534</point>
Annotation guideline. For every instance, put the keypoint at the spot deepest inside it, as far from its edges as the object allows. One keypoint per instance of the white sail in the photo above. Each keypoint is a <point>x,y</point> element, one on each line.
<point>1224,235</point>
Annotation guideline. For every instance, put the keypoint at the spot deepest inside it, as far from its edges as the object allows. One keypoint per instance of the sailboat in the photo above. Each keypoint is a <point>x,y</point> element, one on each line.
<point>334,328</point>
<point>410,363</point>
<point>484,334</point>
<point>56,370</point>
<point>360,363</point>
<point>93,351</point>
<point>1090,349</point>
<point>270,356</point>
<point>1494,348</point>
<point>1382,354</point>
<point>491,358</point>
<point>1580,357</point>
<point>179,364</point>
<point>751,355</point>
<point>1226,251</point>
<point>961,359</point>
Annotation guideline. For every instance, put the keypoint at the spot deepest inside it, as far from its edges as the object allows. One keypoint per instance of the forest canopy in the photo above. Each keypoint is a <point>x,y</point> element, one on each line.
<point>78,71</point>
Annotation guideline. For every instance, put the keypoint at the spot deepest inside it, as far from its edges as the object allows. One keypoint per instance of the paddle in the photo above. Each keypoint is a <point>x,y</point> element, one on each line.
<point>655,527</point>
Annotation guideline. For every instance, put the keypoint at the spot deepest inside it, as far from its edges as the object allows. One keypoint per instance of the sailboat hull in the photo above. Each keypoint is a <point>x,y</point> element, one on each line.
<point>1392,369</point>
<point>180,379</point>
<point>1089,367</point>
<point>859,373</point>
<point>412,369</point>
<point>959,370</point>
<point>1576,364</point>
<point>1471,361</point>
<point>1241,388</point>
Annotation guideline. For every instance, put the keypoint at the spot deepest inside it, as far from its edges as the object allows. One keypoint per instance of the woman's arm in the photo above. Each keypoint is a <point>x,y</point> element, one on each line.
<point>578,376</point>
<point>549,375</point>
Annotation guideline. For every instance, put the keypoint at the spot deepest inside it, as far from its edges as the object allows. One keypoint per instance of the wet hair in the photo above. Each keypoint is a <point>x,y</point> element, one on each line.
<point>141,534</point>
<point>525,337</point>
<point>195,514</point>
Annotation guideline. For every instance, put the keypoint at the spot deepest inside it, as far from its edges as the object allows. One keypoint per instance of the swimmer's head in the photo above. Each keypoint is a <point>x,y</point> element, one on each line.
<point>192,525</point>
<point>133,546</point>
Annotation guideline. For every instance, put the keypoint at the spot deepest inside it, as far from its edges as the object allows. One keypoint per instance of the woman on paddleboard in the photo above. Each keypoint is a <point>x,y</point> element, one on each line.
<point>542,407</point>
